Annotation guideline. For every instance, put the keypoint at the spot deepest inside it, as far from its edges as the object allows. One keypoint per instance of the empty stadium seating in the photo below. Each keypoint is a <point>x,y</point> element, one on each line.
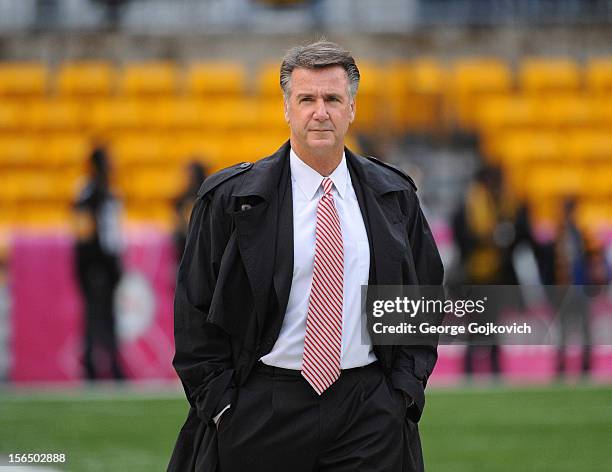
<point>546,121</point>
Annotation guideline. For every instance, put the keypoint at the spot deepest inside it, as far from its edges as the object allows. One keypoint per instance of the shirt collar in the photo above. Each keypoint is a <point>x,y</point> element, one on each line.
<point>309,180</point>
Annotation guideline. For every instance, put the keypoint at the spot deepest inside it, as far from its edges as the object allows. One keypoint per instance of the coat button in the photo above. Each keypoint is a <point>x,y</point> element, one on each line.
<point>244,165</point>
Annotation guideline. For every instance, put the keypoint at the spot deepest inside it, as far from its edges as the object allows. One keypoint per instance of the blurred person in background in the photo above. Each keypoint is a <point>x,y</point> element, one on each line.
<point>98,267</point>
<point>598,269</point>
<point>485,233</point>
<point>573,268</point>
<point>196,173</point>
<point>268,316</point>
<point>542,248</point>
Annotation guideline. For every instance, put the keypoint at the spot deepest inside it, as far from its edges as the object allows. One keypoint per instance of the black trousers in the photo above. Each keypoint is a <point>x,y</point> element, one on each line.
<point>101,355</point>
<point>279,423</point>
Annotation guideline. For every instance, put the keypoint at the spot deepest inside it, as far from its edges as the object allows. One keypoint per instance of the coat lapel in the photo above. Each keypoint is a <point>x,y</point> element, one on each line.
<point>383,220</point>
<point>283,267</point>
<point>265,230</point>
<point>382,217</point>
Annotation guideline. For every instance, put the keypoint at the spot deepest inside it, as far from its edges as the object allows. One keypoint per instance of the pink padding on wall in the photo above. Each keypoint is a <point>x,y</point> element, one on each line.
<point>46,316</point>
<point>46,320</point>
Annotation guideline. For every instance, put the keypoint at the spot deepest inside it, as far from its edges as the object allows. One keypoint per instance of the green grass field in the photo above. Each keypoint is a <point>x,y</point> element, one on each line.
<point>490,429</point>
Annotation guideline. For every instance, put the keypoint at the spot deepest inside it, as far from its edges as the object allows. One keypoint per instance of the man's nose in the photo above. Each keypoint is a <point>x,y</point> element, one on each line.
<point>320,112</point>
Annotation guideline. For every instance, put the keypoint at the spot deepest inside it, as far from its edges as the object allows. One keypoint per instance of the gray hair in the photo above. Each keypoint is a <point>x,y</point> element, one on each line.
<point>318,55</point>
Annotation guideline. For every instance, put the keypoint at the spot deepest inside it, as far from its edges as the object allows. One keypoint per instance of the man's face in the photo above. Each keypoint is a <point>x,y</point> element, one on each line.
<point>319,109</point>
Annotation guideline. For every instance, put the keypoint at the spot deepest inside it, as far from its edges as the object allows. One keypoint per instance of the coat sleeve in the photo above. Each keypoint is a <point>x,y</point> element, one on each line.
<point>203,357</point>
<point>414,364</point>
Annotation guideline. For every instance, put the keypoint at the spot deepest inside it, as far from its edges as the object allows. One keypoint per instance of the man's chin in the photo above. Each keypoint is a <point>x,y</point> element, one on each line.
<point>321,142</point>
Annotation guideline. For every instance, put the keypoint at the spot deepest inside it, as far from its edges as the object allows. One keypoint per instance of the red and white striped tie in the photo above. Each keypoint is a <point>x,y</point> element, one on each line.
<point>323,340</point>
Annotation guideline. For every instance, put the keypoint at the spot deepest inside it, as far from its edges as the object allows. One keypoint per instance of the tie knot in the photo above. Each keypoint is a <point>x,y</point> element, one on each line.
<point>327,185</point>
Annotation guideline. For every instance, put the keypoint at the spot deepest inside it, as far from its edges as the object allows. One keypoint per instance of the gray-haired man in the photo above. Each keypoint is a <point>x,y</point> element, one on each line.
<point>268,320</point>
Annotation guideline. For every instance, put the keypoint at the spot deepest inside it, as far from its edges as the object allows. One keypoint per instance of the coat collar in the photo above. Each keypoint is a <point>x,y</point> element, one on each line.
<point>372,175</point>
<point>263,178</point>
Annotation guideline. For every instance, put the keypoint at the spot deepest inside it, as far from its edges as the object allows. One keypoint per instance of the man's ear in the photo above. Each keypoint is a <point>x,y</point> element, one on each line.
<point>286,110</point>
<point>353,106</point>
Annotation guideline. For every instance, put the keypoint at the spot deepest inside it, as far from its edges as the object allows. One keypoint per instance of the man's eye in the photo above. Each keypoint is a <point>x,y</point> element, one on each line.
<point>306,99</point>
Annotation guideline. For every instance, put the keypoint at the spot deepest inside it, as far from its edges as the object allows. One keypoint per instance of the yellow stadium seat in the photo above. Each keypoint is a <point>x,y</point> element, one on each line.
<point>251,146</point>
<point>163,214</point>
<point>549,75</point>
<point>428,76</point>
<point>599,76</point>
<point>603,107</point>
<point>118,115</point>
<point>267,81</point>
<point>10,189</point>
<point>138,149</point>
<point>590,144</point>
<point>20,151</point>
<point>74,179</point>
<point>13,115</point>
<point>503,113</point>
<point>424,104</point>
<point>149,78</point>
<point>396,77</point>
<point>499,117</point>
<point>271,116</point>
<point>474,80</point>
<point>148,212</point>
<point>598,180</point>
<point>67,150</point>
<point>187,146</point>
<point>216,78</point>
<point>555,181</point>
<point>39,186</point>
<point>230,114</point>
<point>369,95</point>
<point>528,148</point>
<point>55,115</point>
<point>8,214</point>
<point>94,78</point>
<point>519,152</point>
<point>121,178</point>
<point>43,215</point>
<point>177,113</point>
<point>371,79</point>
<point>567,111</point>
<point>22,79</point>
<point>135,211</point>
<point>159,183</point>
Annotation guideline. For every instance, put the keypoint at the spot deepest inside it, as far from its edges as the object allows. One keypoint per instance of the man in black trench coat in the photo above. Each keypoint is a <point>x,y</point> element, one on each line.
<point>269,345</point>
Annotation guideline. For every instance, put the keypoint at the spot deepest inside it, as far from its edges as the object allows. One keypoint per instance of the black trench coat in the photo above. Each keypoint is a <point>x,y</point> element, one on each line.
<point>235,276</point>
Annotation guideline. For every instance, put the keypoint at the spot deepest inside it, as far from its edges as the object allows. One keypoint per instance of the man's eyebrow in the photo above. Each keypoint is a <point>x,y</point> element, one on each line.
<point>326,95</point>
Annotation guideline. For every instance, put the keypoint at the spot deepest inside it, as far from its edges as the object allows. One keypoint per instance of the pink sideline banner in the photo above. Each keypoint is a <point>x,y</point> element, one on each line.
<point>46,319</point>
<point>46,322</point>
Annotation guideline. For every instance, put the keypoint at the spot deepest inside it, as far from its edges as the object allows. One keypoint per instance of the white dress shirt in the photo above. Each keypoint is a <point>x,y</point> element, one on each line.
<point>306,187</point>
